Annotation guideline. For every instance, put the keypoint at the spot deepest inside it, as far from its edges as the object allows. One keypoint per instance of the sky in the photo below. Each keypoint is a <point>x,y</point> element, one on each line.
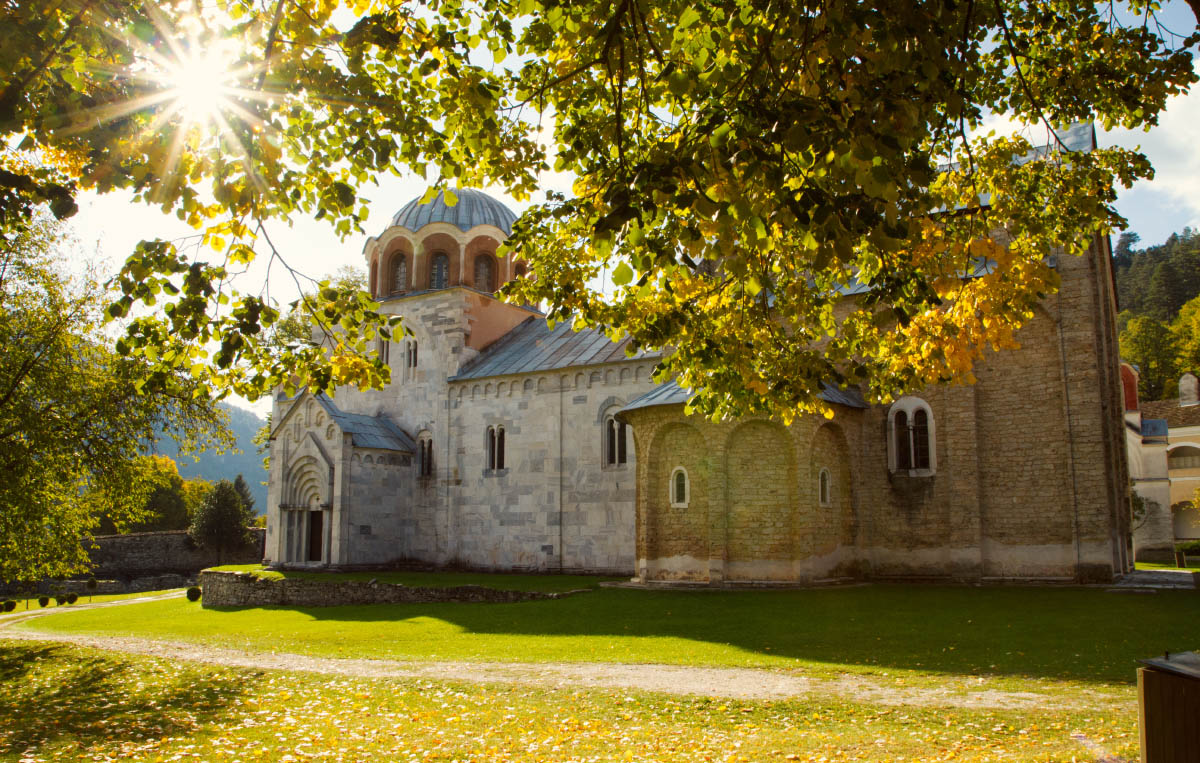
<point>112,224</point>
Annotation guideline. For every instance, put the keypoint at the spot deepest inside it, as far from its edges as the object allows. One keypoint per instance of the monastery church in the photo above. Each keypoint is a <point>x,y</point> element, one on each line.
<point>503,444</point>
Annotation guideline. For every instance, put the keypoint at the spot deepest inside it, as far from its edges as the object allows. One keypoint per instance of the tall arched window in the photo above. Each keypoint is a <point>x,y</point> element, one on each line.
<point>410,355</point>
<point>495,448</point>
<point>399,280</point>
<point>911,437</point>
<point>485,272</point>
<point>616,448</point>
<point>439,271</point>
<point>680,488</point>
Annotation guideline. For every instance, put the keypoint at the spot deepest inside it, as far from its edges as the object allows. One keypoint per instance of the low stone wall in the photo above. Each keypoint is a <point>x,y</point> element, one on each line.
<point>140,554</point>
<point>243,589</point>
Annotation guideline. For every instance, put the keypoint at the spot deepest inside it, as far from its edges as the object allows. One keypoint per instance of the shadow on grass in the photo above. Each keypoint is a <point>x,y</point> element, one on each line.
<point>52,696</point>
<point>1077,634</point>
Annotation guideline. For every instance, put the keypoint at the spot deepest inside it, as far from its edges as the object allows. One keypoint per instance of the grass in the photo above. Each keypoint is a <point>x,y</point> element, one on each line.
<point>1010,635</point>
<point>32,603</point>
<point>1193,563</point>
<point>98,706</point>
<point>506,582</point>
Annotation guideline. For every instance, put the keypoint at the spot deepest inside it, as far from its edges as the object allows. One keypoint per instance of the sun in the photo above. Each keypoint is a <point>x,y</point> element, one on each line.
<point>199,86</point>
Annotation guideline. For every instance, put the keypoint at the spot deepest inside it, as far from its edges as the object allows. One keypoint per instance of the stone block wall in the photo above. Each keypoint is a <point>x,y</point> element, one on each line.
<point>240,589</point>
<point>155,553</point>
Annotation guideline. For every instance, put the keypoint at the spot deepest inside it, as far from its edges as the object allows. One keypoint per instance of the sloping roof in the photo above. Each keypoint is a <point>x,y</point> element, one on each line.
<point>671,393</point>
<point>473,208</point>
<point>1177,416</point>
<point>368,431</point>
<point>534,346</point>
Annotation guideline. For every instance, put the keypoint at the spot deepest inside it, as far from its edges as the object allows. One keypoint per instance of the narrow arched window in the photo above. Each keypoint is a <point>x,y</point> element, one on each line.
<point>439,271</point>
<point>903,442</point>
<point>399,273</point>
<point>490,463</point>
<point>610,435</point>
<point>484,273</point>
<point>500,447</point>
<point>383,349</point>
<point>622,448</point>
<point>920,439</point>
<point>825,488</point>
<point>410,357</point>
<point>680,489</point>
<point>426,457</point>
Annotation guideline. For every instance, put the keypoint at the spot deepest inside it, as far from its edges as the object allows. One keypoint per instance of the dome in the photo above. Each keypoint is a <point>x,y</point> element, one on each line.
<point>473,208</point>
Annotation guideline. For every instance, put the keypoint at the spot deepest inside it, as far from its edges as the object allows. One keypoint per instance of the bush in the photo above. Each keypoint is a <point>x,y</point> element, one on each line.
<point>43,601</point>
<point>9,605</point>
<point>91,584</point>
<point>60,599</point>
<point>1188,547</point>
<point>193,594</point>
<point>72,598</point>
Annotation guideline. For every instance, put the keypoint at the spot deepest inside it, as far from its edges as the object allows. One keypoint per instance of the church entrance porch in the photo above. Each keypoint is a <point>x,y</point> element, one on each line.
<point>305,536</point>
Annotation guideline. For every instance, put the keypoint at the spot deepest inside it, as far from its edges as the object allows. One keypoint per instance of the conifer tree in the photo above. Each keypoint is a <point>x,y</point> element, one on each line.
<point>243,491</point>
<point>221,521</point>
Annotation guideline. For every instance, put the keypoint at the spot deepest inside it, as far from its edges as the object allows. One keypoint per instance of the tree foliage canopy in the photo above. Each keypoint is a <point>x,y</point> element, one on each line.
<point>739,164</point>
<point>72,421</point>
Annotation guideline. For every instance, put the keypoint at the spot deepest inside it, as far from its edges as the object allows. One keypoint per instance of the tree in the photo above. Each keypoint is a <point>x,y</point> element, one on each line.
<point>1123,252</point>
<point>243,491</point>
<point>737,166</point>
<point>1147,344</point>
<point>221,522</point>
<point>1185,331</point>
<point>194,493</point>
<point>165,507</point>
<point>73,414</point>
<point>1165,295</point>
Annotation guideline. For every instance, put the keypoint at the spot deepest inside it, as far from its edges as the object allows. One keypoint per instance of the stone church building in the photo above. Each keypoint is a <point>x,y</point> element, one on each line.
<point>503,444</point>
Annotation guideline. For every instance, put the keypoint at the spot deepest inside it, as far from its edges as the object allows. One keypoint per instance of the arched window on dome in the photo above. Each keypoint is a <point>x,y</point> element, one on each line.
<point>911,438</point>
<point>399,279</point>
<point>439,271</point>
<point>485,272</point>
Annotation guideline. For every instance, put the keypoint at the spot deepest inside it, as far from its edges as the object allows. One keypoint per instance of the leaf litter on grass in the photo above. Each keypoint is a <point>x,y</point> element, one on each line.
<point>97,706</point>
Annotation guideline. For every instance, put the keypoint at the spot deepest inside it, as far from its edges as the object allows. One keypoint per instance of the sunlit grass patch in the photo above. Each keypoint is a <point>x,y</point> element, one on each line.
<point>1010,636</point>
<point>93,705</point>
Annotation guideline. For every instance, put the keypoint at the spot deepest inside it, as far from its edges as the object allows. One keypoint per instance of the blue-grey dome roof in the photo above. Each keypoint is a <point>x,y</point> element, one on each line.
<point>473,208</point>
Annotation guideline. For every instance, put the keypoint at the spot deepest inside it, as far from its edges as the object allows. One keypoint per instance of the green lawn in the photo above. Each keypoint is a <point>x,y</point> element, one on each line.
<point>1193,563</point>
<point>1059,634</point>
<point>61,703</point>
<point>507,582</point>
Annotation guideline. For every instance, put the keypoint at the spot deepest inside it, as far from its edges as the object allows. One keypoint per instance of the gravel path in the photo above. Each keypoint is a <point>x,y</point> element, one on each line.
<point>733,683</point>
